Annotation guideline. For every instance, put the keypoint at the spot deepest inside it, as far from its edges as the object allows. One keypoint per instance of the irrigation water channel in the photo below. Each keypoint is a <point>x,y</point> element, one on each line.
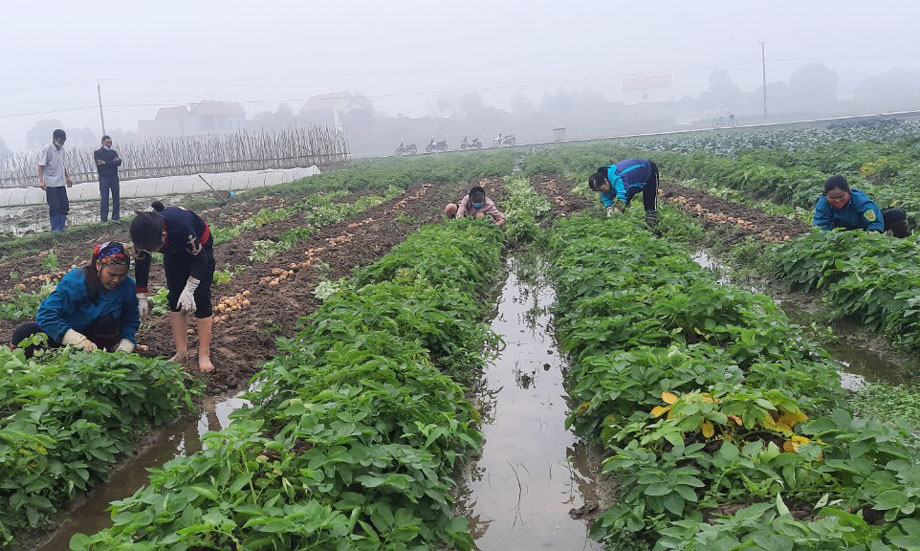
<point>533,476</point>
<point>177,439</point>
<point>534,479</point>
<point>860,362</point>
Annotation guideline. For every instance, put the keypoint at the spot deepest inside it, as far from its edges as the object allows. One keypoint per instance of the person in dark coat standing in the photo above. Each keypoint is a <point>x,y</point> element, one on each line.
<point>107,163</point>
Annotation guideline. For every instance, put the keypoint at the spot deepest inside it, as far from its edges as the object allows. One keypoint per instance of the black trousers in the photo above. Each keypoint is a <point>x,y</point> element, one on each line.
<point>109,184</point>
<point>105,333</point>
<point>178,267</point>
<point>896,222</point>
<point>649,191</point>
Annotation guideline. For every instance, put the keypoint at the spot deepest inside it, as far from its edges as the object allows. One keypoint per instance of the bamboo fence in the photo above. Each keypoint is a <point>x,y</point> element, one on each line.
<point>154,158</point>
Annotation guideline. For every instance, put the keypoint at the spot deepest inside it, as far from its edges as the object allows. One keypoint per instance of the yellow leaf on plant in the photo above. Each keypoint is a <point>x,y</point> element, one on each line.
<point>736,419</point>
<point>669,398</point>
<point>708,429</point>
<point>658,411</point>
<point>792,419</point>
<point>794,442</point>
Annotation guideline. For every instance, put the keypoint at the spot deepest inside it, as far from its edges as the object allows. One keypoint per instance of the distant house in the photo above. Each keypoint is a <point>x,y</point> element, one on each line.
<point>327,109</point>
<point>647,89</point>
<point>198,119</point>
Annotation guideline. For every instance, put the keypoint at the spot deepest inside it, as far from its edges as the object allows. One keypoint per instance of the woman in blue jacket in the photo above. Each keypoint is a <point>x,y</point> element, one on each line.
<point>842,207</point>
<point>620,182</point>
<point>188,260</point>
<point>92,307</point>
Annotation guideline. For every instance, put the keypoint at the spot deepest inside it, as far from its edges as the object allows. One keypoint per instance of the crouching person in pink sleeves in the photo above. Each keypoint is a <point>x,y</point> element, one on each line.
<point>477,205</point>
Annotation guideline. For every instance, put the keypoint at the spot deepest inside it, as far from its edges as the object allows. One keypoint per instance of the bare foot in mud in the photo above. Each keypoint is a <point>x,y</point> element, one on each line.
<point>205,365</point>
<point>179,358</point>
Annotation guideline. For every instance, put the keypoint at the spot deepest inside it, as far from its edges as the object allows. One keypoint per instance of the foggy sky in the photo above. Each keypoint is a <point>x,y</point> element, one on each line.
<point>399,53</point>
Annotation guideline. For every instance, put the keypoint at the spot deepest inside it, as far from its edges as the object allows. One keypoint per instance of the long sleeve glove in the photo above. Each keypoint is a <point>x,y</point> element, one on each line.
<point>143,306</point>
<point>78,340</point>
<point>187,298</point>
<point>124,345</point>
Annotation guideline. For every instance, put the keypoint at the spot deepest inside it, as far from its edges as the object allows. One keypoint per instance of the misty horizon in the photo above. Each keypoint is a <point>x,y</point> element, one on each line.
<point>417,60</point>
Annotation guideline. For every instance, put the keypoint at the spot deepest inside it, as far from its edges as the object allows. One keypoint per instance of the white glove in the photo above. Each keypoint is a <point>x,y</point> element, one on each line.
<point>78,340</point>
<point>609,212</point>
<point>187,298</point>
<point>124,345</point>
<point>143,307</point>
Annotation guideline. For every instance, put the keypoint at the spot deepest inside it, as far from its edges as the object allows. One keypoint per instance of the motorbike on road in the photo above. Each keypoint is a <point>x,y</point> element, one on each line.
<point>473,144</point>
<point>436,146</point>
<point>406,149</point>
<point>504,140</point>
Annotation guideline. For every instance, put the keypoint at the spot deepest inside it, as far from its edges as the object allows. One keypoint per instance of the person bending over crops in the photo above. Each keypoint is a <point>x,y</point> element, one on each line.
<point>620,182</point>
<point>477,205</point>
<point>92,307</point>
<point>842,207</point>
<point>188,259</point>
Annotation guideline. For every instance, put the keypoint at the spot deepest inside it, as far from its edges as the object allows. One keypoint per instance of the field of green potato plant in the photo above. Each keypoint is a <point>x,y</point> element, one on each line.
<point>721,424</point>
<point>353,432</point>
<point>724,425</point>
<point>66,419</point>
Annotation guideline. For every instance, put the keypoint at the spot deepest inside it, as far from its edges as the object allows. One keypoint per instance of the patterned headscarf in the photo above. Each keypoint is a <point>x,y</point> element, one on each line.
<point>111,252</point>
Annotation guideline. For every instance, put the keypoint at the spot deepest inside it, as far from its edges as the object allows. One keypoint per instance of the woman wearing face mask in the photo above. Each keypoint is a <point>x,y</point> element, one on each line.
<point>477,205</point>
<point>92,307</point>
<point>188,260</point>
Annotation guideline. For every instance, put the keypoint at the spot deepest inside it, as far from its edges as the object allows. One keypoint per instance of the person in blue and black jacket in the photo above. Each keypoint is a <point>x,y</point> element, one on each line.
<point>620,182</point>
<point>188,259</point>
<point>842,207</point>
<point>92,307</point>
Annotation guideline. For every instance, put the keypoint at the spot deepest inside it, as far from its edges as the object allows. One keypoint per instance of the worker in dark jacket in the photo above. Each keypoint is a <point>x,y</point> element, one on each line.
<point>92,307</point>
<point>620,182</point>
<point>188,259</point>
<point>842,207</point>
<point>107,163</point>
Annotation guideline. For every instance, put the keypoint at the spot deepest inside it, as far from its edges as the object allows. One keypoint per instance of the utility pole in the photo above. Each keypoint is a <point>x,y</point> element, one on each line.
<point>763,64</point>
<point>99,95</point>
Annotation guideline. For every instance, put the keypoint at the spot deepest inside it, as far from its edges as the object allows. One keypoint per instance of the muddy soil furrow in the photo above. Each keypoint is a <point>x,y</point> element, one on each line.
<point>76,252</point>
<point>732,221</point>
<point>246,339</point>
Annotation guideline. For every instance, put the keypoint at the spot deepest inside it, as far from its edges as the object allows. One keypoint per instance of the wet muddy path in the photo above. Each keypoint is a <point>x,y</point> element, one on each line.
<point>89,515</point>
<point>863,357</point>
<point>534,486</point>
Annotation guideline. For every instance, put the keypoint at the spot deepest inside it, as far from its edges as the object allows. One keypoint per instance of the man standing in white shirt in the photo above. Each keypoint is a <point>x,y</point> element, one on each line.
<point>52,177</point>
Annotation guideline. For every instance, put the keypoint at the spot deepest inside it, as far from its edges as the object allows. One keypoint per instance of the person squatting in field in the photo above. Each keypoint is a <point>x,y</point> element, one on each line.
<point>619,183</point>
<point>477,205</point>
<point>92,307</point>
<point>188,260</point>
<point>842,207</point>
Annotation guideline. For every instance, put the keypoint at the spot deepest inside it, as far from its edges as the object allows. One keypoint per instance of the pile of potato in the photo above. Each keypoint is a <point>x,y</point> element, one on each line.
<point>356,225</point>
<point>402,202</point>
<point>231,304</point>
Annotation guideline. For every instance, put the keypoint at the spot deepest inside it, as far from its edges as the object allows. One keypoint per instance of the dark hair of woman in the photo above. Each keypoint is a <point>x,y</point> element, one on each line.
<point>836,182</point>
<point>147,228</point>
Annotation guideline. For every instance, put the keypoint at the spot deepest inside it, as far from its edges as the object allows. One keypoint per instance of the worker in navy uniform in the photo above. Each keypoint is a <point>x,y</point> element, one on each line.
<point>188,260</point>
<point>851,209</point>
